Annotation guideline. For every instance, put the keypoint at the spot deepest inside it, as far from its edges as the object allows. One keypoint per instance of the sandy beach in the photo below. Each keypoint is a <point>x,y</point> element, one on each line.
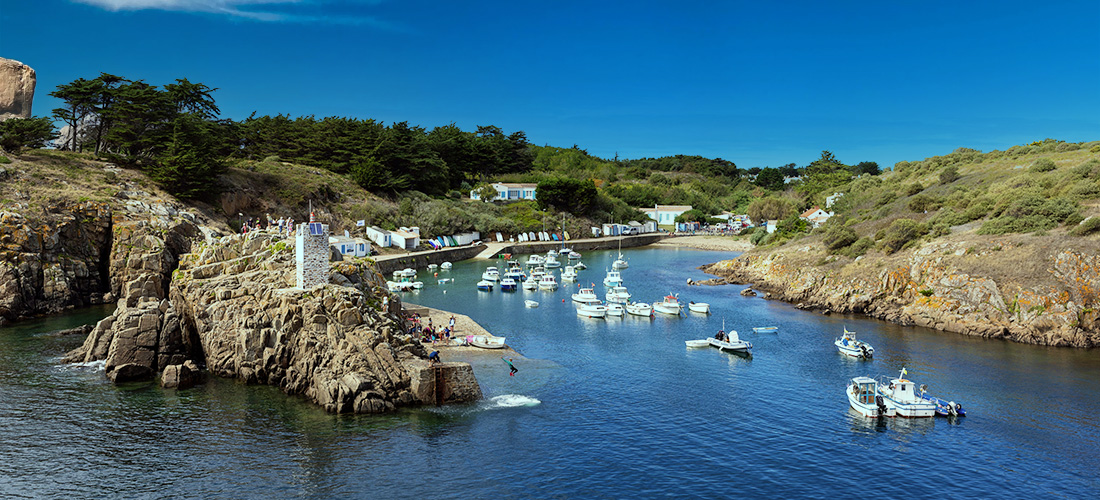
<point>708,242</point>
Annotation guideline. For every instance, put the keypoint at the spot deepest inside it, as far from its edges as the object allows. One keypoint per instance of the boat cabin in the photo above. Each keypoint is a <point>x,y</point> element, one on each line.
<point>865,390</point>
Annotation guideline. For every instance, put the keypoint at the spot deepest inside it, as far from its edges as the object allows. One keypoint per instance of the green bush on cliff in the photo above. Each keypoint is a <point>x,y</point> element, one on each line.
<point>1089,226</point>
<point>900,233</point>
<point>1043,165</point>
<point>1031,212</point>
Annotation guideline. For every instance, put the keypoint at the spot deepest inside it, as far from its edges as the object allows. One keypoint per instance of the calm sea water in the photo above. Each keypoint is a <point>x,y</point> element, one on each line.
<point>614,408</point>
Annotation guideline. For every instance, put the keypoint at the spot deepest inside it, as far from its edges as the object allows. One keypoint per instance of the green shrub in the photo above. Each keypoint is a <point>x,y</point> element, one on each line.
<point>860,247</point>
<point>838,238</point>
<point>923,203</point>
<point>1087,168</point>
<point>900,233</point>
<point>748,230</point>
<point>949,174</point>
<point>1085,189</point>
<point>758,236</point>
<point>4,160</point>
<point>886,198</point>
<point>1043,165</point>
<point>1025,224</point>
<point>913,189</point>
<point>1088,226</point>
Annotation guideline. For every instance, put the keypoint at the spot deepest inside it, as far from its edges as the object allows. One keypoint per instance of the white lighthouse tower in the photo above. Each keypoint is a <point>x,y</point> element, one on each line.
<point>311,253</point>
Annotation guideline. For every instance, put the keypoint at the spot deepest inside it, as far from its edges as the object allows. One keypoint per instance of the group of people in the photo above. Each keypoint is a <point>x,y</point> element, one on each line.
<point>721,335</point>
<point>284,226</point>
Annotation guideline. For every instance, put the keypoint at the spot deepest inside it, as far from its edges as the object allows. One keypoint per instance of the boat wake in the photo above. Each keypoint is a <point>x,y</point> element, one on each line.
<point>512,401</point>
<point>90,366</point>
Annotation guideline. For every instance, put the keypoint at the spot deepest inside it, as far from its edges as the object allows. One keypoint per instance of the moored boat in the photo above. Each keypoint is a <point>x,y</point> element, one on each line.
<point>698,343</point>
<point>574,256</point>
<point>618,294</point>
<point>485,285</point>
<point>491,274</point>
<point>639,309</point>
<point>613,278</point>
<point>551,260</point>
<point>699,307</point>
<point>848,345</point>
<point>445,265</point>
<point>535,260</point>
<point>614,309</point>
<point>669,305</point>
<point>586,296</point>
<point>568,274</point>
<point>530,283</point>
<point>729,341</point>
<point>530,303</point>
<point>765,329</point>
<point>945,408</point>
<point>592,310</point>
<point>486,341</point>
<point>620,263</point>
<point>548,282</point>
<point>580,266</point>
<point>901,395</point>
<point>864,398</point>
<point>507,285</point>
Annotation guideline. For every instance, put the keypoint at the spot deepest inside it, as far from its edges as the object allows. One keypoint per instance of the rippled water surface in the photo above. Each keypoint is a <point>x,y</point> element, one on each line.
<point>614,408</point>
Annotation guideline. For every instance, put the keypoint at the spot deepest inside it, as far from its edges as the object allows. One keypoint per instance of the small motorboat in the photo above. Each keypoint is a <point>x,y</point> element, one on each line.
<point>445,280</point>
<point>620,263</point>
<point>945,408</point>
<point>901,396</point>
<point>404,273</point>
<point>863,396</point>
<point>445,266</point>
<point>699,307</point>
<point>548,282</point>
<point>485,341</point>
<point>507,285</point>
<point>568,274</point>
<point>669,305</point>
<point>485,285</point>
<point>580,266</point>
<point>551,260</point>
<point>697,343</point>
<point>618,294</point>
<point>491,274</point>
<point>574,255</point>
<point>535,260</point>
<point>586,296</point>
<point>614,309</point>
<point>531,303</point>
<point>852,347</point>
<point>531,283</point>
<point>640,309</point>
<point>592,310</point>
<point>612,279</point>
<point>765,329</point>
<point>729,341</point>
<point>432,267</point>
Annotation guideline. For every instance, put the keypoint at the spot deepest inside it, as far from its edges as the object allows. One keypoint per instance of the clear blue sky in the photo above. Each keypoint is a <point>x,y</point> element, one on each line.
<point>759,83</point>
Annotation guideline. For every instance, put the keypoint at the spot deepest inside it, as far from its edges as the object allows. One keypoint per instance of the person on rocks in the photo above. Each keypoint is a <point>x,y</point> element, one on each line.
<point>452,324</point>
<point>510,366</point>
<point>433,358</point>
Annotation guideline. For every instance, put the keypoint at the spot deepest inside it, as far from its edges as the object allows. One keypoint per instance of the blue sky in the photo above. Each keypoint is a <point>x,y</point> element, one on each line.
<point>758,83</point>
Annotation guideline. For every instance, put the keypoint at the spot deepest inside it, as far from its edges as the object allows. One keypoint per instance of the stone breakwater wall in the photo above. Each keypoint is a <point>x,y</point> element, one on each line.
<point>927,290</point>
<point>387,264</point>
<point>584,244</point>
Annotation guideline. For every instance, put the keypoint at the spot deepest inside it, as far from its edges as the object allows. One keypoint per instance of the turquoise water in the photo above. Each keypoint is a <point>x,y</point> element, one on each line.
<point>614,408</point>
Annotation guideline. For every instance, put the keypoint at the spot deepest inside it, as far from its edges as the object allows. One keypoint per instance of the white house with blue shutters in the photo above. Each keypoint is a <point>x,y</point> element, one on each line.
<point>510,191</point>
<point>665,214</point>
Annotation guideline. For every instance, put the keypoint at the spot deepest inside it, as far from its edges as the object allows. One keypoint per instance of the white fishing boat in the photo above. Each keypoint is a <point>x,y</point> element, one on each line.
<point>491,274</point>
<point>669,305</point>
<point>864,398</point>
<point>612,279</point>
<point>568,274</point>
<point>699,307</point>
<point>614,309</point>
<point>618,294</point>
<point>530,303</point>
<point>442,281</point>
<point>548,282</point>
<point>432,267</point>
<point>848,344</point>
<point>574,255</point>
<point>507,285</point>
<point>620,263</point>
<point>535,260</point>
<point>698,343</point>
<point>580,266</point>
<point>591,310</point>
<point>729,341</point>
<point>639,309</point>
<point>530,283</point>
<point>404,273</point>
<point>765,329</point>
<point>486,341</point>
<point>445,266</point>
<point>485,285</point>
<point>901,396</point>
<point>551,260</point>
<point>586,296</point>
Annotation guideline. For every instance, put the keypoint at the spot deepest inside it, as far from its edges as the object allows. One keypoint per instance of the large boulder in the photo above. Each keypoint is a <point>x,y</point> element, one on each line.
<point>17,82</point>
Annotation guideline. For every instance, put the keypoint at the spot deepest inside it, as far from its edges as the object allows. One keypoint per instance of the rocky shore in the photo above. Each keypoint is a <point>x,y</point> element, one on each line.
<point>999,288</point>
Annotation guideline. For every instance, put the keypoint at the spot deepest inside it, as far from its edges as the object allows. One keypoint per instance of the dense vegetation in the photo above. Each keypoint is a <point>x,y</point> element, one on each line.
<point>420,176</point>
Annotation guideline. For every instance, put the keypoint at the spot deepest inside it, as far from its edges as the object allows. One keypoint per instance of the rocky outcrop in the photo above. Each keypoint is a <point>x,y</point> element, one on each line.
<point>17,81</point>
<point>929,289</point>
<point>49,267</point>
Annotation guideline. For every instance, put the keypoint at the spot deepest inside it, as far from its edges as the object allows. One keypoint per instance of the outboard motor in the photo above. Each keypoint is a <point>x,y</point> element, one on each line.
<point>953,409</point>
<point>863,349</point>
<point>881,406</point>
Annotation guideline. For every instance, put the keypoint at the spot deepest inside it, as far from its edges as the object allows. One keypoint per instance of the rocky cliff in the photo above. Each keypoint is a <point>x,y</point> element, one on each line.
<point>17,81</point>
<point>975,288</point>
<point>232,310</point>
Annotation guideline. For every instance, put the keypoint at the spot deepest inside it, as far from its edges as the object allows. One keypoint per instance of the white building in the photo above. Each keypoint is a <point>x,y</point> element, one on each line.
<point>510,191</point>
<point>380,236</point>
<point>405,239</point>
<point>832,199</point>
<point>815,216</point>
<point>665,214</point>
<point>357,247</point>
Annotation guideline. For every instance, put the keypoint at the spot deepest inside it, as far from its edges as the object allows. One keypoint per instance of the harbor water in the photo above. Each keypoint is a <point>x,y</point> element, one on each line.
<point>600,408</point>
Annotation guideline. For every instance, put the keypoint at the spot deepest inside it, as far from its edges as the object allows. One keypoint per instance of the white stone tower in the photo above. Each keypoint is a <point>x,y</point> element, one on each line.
<point>312,253</point>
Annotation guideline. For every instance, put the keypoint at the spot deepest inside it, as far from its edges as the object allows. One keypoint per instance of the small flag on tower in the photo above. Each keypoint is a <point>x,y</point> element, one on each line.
<point>361,223</point>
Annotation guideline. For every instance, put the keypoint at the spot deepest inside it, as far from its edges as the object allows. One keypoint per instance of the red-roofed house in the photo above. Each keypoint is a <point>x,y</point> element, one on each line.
<point>815,216</point>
